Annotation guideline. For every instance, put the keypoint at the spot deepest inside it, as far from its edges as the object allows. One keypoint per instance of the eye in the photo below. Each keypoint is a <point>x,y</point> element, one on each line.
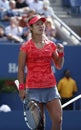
<point>39,23</point>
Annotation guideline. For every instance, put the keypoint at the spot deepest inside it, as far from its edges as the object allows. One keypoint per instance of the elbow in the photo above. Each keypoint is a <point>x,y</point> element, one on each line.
<point>59,67</point>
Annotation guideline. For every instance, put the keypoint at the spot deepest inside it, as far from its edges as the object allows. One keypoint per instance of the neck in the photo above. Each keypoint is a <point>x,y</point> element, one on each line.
<point>39,41</point>
<point>37,38</point>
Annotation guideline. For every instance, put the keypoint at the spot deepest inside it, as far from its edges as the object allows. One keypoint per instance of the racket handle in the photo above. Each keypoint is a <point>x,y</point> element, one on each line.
<point>17,83</point>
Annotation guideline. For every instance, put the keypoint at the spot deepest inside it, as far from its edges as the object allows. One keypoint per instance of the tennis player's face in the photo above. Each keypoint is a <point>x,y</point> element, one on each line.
<point>38,27</point>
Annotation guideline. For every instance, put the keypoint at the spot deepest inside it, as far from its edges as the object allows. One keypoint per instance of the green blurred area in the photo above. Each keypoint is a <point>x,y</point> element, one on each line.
<point>7,85</point>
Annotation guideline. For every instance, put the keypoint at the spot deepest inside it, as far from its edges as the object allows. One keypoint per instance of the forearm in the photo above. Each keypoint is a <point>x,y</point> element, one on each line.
<point>60,63</point>
<point>21,76</point>
<point>21,79</point>
<point>58,56</point>
<point>59,60</point>
<point>21,83</point>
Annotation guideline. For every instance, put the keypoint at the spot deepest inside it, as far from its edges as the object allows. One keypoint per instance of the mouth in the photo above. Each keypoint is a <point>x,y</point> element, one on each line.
<point>41,29</point>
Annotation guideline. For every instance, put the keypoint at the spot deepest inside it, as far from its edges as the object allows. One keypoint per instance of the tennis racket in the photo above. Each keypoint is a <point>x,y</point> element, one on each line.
<point>32,113</point>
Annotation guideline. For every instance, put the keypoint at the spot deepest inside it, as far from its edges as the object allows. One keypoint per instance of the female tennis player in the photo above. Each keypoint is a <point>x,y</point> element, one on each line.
<point>36,54</point>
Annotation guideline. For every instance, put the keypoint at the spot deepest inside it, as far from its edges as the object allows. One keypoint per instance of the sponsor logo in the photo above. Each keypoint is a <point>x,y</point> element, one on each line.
<point>13,68</point>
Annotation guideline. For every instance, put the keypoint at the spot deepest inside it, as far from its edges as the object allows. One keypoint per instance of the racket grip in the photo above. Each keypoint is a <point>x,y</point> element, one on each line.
<point>17,84</point>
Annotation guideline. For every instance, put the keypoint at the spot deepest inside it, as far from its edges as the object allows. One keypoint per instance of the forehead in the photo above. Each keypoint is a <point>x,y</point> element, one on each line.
<point>39,21</point>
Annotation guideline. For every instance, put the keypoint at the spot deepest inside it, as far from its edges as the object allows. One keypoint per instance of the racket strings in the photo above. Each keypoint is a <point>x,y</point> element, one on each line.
<point>32,115</point>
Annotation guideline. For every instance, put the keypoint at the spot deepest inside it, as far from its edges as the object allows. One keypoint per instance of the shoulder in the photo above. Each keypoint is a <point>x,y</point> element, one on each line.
<point>51,44</point>
<point>27,42</point>
<point>25,46</point>
<point>62,80</point>
<point>49,41</point>
<point>73,80</point>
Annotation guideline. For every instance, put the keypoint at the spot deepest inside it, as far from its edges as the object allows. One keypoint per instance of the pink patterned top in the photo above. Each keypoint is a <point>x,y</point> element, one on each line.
<point>38,64</point>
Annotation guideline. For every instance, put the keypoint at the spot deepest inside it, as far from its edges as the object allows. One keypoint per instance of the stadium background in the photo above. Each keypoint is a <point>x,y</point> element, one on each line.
<point>9,66</point>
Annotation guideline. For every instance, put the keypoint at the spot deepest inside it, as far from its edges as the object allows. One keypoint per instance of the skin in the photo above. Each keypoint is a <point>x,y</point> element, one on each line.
<point>54,106</point>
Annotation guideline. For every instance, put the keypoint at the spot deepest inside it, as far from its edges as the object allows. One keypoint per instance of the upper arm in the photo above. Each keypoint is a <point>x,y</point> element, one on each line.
<point>75,86</point>
<point>22,59</point>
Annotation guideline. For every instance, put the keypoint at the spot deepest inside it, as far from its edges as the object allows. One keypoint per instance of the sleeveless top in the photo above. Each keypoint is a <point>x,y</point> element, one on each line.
<point>38,63</point>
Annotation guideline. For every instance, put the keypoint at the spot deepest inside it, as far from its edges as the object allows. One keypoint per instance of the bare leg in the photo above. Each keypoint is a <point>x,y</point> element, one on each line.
<point>55,111</point>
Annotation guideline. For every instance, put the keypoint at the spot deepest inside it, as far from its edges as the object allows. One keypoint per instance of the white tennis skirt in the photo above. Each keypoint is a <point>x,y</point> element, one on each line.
<point>43,95</point>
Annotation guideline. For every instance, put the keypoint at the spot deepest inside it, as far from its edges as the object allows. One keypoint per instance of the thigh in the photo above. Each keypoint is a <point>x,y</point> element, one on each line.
<point>54,108</point>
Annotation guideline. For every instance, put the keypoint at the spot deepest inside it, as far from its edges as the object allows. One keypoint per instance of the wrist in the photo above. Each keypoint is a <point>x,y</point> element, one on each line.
<point>21,86</point>
<point>61,54</point>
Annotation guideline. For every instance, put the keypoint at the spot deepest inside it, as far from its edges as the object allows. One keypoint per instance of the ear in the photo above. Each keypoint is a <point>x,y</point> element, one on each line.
<point>30,27</point>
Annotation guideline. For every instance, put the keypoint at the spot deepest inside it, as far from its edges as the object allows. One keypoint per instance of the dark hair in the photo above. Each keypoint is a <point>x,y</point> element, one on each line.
<point>29,19</point>
<point>66,70</point>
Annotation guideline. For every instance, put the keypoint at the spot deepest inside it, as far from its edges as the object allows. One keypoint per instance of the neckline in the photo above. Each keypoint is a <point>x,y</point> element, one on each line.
<point>38,47</point>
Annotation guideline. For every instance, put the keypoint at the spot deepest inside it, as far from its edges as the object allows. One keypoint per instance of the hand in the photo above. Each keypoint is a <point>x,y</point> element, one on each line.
<point>22,94</point>
<point>60,48</point>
